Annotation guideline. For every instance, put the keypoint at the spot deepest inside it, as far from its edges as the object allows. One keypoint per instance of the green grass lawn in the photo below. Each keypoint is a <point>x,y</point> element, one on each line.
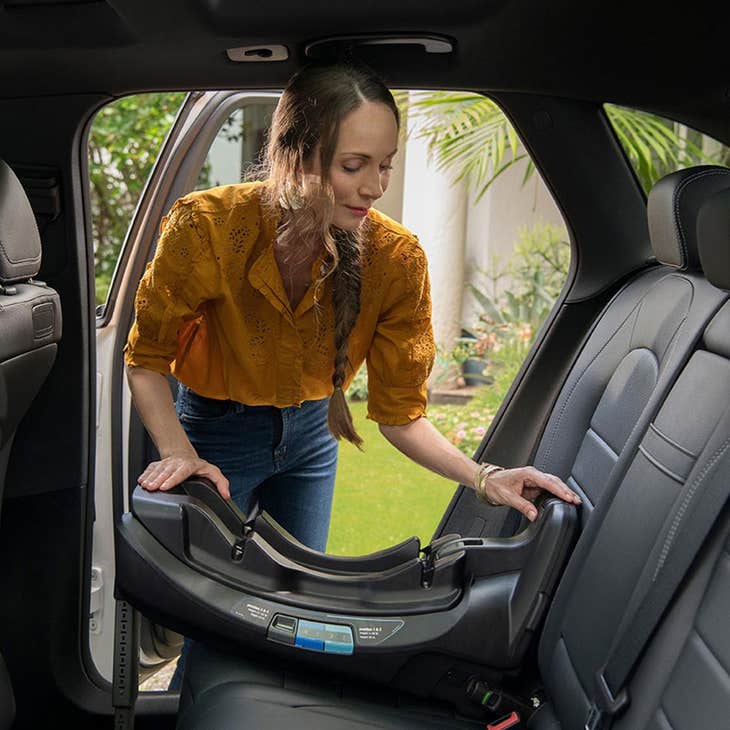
<point>382,497</point>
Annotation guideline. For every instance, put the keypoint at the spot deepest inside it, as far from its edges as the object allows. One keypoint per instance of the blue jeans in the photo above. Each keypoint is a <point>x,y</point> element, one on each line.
<point>284,458</point>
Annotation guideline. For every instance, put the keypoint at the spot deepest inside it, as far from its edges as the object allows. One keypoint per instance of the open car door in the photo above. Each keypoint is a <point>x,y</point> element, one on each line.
<point>215,137</point>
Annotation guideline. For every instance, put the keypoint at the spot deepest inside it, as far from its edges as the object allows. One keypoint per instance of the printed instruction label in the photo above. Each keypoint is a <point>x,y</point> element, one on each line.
<point>255,611</point>
<point>370,632</point>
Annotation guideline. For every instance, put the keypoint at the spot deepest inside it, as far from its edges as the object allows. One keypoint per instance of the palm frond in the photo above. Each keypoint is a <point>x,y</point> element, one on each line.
<point>468,134</point>
<point>652,144</point>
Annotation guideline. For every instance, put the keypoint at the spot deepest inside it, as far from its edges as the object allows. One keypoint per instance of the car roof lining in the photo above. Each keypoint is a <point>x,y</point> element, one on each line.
<point>586,51</point>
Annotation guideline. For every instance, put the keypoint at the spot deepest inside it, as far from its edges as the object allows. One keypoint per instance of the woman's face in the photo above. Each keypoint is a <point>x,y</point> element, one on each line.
<point>361,164</point>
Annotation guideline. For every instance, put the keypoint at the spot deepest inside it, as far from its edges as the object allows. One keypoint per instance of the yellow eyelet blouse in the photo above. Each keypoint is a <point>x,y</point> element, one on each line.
<point>212,309</point>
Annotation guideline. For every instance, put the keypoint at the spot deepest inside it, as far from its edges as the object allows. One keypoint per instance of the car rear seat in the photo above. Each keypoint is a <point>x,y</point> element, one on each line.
<point>686,446</point>
<point>634,512</point>
<point>30,327</point>
<point>629,360</point>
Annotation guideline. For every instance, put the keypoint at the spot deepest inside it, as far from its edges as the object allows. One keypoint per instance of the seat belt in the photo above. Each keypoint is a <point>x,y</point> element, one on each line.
<point>694,520</point>
<point>125,682</point>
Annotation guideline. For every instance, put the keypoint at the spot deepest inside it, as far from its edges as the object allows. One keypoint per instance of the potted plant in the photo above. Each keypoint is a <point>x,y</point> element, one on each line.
<point>470,354</point>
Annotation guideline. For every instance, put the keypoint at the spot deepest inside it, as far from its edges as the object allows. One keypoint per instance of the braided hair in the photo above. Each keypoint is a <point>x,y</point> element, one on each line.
<point>306,123</point>
<point>346,286</point>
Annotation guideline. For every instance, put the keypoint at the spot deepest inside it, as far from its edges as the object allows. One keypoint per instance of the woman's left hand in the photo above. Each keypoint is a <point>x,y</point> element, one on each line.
<point>519,487</point>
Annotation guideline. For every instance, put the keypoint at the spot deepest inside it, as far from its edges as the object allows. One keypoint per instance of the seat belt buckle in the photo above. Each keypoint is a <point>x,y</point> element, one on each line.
<point>594,719</point>
<point>604,705</point>
<point>505,722</point>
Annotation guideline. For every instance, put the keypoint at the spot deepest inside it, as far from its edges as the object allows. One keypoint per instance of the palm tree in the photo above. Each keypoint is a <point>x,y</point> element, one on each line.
<point>469,135</point>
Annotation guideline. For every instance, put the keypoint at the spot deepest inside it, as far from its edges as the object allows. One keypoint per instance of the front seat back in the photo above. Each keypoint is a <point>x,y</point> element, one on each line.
<point>30,312</point>
<point>30,327</point>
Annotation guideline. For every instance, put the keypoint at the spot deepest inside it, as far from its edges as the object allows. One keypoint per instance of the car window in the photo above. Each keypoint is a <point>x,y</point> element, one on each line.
<point>656,146</point>
<point>124,141</point>
<point>498,254</point>
<point>234,153</point>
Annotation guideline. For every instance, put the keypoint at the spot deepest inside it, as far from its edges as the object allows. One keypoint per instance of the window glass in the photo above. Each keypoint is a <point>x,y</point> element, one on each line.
<point>124,141</point>
<point>236,148</point>
<point>656,146</point>
<point>498,254</point>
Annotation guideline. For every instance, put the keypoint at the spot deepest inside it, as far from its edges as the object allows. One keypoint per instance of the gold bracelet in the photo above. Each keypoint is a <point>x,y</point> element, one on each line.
<point>485,471</point>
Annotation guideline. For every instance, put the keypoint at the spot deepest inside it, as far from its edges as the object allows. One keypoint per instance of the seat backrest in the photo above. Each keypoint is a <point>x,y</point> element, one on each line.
<point>30,312</point>
<point>634,352</point>
<point>685,446</point>
<point>682,681</point>
<point>30,327</point>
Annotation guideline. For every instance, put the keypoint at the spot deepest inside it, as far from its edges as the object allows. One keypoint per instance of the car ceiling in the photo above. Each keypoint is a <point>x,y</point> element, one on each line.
<point>647,54</point>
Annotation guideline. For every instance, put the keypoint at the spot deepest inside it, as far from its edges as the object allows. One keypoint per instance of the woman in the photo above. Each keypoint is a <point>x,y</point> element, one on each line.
<point>265,298</point>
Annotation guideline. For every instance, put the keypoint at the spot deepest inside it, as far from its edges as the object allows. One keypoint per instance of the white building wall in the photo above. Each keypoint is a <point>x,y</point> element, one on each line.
<point>494,222</point>
<point>460,234</point>
<point>224,157</point>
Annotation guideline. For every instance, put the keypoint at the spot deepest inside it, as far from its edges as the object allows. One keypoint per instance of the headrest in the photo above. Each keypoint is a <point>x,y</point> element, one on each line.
<point>673,207</point>
<point>713,231</point>
<point>20,243</point>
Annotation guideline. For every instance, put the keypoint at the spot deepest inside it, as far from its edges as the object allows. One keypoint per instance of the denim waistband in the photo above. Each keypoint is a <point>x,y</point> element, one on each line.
<point>185,392</point>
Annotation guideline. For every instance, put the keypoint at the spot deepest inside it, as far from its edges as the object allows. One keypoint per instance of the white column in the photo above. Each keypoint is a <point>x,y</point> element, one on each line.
<point>434,208</point>
<point>494,224</point>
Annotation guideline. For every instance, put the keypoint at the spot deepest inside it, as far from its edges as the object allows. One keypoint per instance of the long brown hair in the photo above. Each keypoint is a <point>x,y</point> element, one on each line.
<point>306,122</point>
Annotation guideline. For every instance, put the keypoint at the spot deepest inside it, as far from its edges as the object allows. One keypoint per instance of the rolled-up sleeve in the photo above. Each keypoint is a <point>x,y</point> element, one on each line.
<point>402,351</point>
<point>182,275</point>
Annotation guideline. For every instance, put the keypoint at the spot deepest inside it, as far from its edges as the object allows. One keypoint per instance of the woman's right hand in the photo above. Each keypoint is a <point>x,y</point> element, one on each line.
<point>173,470</point>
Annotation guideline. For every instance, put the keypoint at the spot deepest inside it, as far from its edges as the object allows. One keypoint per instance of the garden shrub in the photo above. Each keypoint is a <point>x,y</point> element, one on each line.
<point>506,328</point>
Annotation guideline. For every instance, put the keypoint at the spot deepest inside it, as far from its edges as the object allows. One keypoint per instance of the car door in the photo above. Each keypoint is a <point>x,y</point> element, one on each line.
<point>216,137</point>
